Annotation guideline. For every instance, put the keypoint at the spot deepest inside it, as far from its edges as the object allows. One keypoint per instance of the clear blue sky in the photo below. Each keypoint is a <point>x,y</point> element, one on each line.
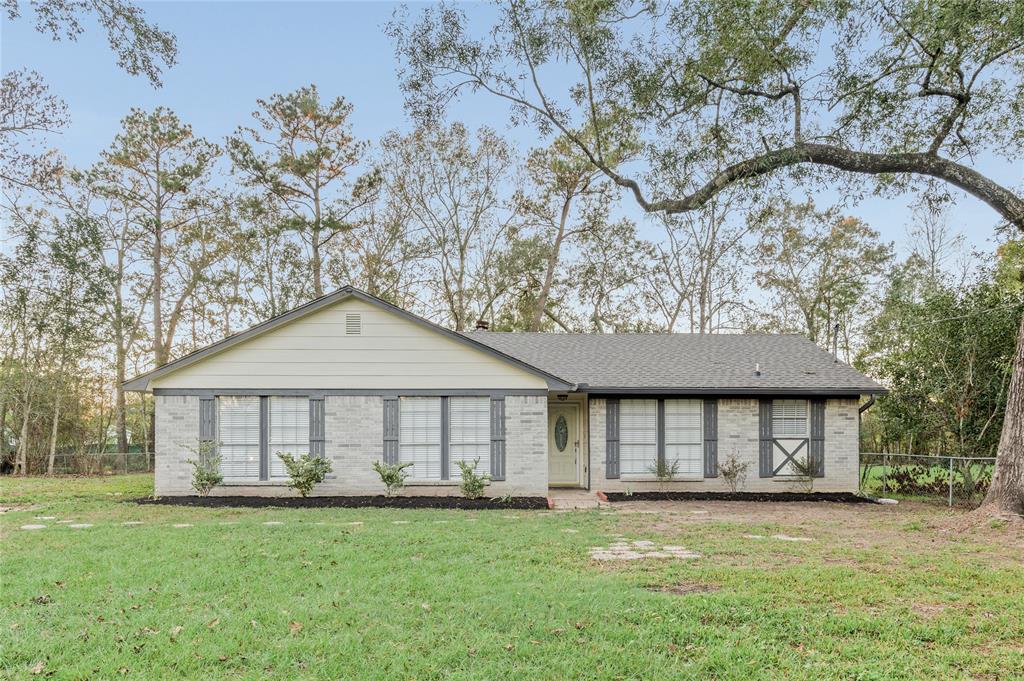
<point>231,53</point>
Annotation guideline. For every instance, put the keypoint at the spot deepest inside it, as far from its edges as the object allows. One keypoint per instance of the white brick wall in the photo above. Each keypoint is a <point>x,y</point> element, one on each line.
<point>738,434</point>
<point>353,441</point>
<point>177,440</point>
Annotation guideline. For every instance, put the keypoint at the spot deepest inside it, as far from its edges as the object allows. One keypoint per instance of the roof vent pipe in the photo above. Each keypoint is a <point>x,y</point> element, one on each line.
<point>482,325</point>
<point>757,368</point>
<point>835,343</point>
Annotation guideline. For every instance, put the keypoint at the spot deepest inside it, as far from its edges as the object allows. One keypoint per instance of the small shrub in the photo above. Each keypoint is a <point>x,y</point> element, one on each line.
<point>734,472</point>
<point>393,476</point>
<point>664,471</point>
<point>505,499</point>
<point>305,471</point>
<point>805,473</point>
<point>205,468</point>
<point>472,484</point>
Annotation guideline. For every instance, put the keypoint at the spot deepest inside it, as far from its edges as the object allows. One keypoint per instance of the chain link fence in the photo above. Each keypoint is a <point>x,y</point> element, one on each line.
<point>951,480</point>
<point>102,464</point>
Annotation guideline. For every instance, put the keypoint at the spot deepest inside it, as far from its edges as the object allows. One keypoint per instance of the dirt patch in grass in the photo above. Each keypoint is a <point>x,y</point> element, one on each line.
<point>525,503</point>
<point>839,497</point>
<point>684,588</point>
<point>928,610</point>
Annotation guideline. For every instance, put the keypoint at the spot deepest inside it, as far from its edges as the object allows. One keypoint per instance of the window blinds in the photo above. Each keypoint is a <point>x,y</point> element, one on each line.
<point>239,437</point>
<point>289,431</point>
<point>638,435</point>
<point>684,440</point>
<point>789,418</point>
<point>420,436</point>
<point>469,434</point>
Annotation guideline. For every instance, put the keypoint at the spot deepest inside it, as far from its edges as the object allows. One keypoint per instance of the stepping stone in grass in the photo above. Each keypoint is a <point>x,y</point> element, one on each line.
<point>784,537</point>
<point>511,517</point>
<point>570,530</point>
<point>273,522</point>
<point>33,527</point>
<point>80,526</point>
<point>399,522</point>
<point>228,522</point>
<point>183,524</point>
<point>754,536</point>
<point>46,517</point>
<point>132,523</point>
<point>64,522</point>
<point>643,543</point>
<point>356,522</point>
<point>617,555</point>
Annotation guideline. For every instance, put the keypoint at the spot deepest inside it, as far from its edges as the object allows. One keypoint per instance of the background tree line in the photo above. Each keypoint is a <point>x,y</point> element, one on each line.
<point>170,241</point>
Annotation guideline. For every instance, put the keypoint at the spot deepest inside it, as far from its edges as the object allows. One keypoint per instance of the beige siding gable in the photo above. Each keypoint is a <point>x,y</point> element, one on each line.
<point>315,352</point>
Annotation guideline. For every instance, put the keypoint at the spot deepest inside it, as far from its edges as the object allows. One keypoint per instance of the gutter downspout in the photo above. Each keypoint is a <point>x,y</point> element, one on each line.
<point>867,405</point>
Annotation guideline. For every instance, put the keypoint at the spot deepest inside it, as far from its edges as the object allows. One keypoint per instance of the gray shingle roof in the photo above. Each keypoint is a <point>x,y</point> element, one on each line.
<point>684,362</point>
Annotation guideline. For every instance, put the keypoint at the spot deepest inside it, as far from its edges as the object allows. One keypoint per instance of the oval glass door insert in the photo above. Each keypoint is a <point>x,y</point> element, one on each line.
<point>561,433</point>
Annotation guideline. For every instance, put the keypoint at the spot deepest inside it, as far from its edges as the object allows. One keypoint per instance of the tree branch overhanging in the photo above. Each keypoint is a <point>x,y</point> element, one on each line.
<point>1002,200</point>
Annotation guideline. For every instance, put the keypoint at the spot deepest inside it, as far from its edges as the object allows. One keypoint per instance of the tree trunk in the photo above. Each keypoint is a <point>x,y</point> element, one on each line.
<point>549,275</point>
<point>53,435</point>
<point>21,458</point>
<point>159,351</point>
<point>3,431</point>
<point>120,406</point>
<point>1006,493</point>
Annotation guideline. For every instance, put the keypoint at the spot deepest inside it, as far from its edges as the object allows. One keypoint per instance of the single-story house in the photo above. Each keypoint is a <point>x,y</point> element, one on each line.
<point>355,379</point>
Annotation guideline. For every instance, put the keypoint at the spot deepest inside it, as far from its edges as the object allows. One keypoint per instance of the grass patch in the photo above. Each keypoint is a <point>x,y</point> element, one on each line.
<point>396,593</point>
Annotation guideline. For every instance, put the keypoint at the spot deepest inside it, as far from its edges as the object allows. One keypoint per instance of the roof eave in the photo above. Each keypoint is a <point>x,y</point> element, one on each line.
<point>739,391</point>
<point>141,383</point>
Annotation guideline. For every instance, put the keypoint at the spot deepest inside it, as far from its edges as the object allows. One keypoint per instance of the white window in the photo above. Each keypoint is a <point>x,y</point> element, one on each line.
<point>638,436</point>
<point>419,437</point>
<point>684,439</point>
<point>469,434</point>
<point>289,431</point>
<point>789,418</point>
<point>239,419</point>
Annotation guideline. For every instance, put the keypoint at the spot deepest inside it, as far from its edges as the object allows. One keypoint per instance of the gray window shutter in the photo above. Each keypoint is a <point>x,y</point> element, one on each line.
<point>316,427</point>
<point>497,438</point>
<point>207,426</point>
<point>390,430</point>
<point>710,438</point>
<point>611,452</point>
<point>765,445</point>
<point>816,453</point>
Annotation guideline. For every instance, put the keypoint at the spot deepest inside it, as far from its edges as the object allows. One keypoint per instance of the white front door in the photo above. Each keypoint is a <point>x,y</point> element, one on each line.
<point>563,444</point>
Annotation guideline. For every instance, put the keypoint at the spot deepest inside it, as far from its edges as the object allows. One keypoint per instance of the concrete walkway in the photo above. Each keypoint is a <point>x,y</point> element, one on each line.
<point>568,499</point>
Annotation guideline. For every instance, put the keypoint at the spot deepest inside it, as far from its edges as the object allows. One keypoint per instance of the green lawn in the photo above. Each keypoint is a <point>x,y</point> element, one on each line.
<point>880,592</point>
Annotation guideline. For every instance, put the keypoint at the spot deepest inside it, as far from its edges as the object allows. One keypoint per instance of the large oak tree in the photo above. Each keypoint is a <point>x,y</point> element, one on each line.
<point>734,95</point>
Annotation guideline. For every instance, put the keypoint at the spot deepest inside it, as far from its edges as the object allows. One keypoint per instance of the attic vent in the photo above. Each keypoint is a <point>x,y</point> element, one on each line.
<point>353,324</point>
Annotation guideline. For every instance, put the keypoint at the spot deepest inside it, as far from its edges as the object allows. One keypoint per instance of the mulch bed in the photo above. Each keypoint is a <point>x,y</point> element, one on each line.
<point>379,501</point>
<point>839,497</point>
